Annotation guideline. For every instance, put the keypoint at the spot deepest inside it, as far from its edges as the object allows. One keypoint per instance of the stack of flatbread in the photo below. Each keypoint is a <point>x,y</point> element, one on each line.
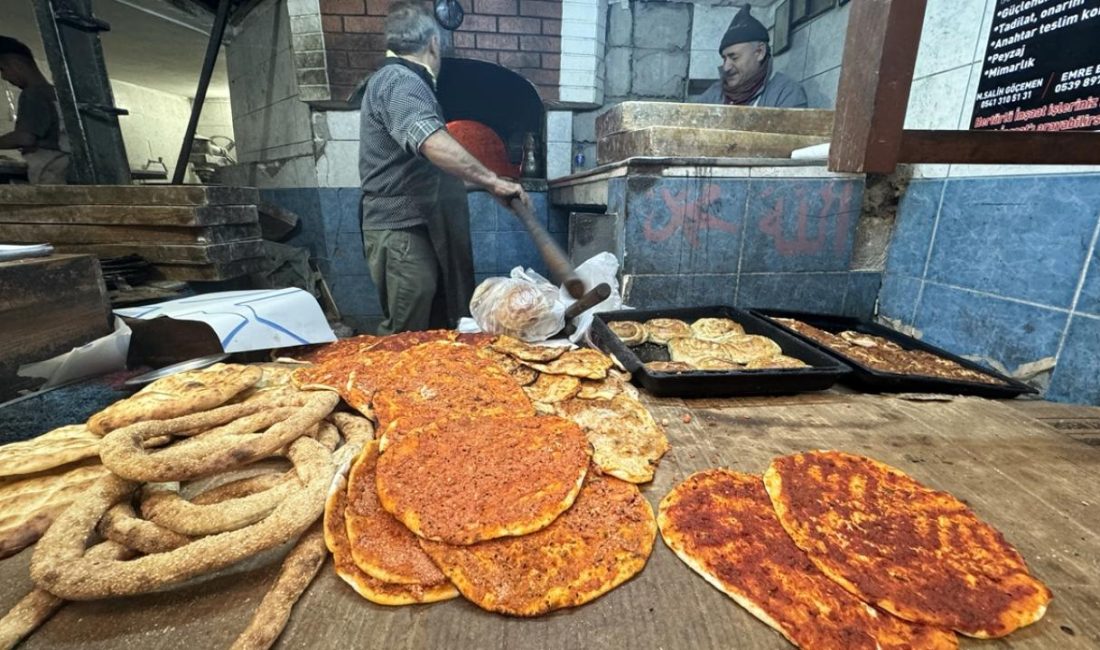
<point>708,344</point>
<point>526,449</point>
<point>39,478</point>
<point>834,550</point>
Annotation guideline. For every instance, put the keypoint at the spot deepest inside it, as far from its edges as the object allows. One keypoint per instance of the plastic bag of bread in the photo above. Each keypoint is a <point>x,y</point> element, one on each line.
<point>524,306</point>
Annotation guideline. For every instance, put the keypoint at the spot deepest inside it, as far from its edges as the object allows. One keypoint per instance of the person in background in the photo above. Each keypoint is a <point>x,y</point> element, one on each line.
<point>747,78</point>
<point>39,134</point>
<point>416,222</point>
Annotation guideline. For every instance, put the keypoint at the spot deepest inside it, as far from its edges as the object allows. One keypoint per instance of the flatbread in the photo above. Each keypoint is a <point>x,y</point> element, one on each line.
<point>467,480</point>
<point>553,388</point>
<point>616,384</point>
<point>778,361</point>
<point>662,330</point>
<point>669,366</point>
<point>437,380</point>
<point>584,363</point>
<point>523,375</point>
<point>59,447</point>
<point>717,364</point>
<point>29,504</point>
<point>355,368</point>
<point>716,329</point>
<point>339,348</point>
<point>376,591</point>
<point>721,524</point>
<point>177,395</point>
<point>913,551</point>
<point>598,544</point>
<point>380,545</point>
<point>523,351</point>
<point>691,351</point>
<point>626,441</point>
<point>744,349</point>
<point>628,331</point>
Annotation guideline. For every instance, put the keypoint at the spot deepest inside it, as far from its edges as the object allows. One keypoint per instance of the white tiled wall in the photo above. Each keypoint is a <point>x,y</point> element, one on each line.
<point>948,69</point>
<point>337,140</point>
<point>270,120</point>
<point>559,143</point>
<point>216,118</point>
<point>583,38</point>
<point>154,128</point>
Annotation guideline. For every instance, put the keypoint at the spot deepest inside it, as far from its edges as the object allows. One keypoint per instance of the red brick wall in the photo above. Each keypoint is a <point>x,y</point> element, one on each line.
<point>522,35</point>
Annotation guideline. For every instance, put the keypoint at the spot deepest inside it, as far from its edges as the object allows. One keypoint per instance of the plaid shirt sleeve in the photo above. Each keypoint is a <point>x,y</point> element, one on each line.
<point>410,112</point>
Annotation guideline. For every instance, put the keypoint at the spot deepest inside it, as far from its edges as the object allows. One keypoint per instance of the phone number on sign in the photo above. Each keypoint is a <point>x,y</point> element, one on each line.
<point>1013,98</point>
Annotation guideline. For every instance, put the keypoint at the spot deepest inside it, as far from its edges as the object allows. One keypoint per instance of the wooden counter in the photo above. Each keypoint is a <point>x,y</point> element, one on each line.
<point>1038,485</point>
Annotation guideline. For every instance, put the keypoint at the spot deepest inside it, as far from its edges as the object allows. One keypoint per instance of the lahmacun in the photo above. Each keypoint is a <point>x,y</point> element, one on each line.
<point>466,480</point>
<point>596,545</point>
<point>915,552</point>
<point>722,525</point>
<point>440,379</point>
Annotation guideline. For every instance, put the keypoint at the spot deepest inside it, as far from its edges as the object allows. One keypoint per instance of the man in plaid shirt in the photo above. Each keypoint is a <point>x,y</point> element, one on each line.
<point>414,213</point>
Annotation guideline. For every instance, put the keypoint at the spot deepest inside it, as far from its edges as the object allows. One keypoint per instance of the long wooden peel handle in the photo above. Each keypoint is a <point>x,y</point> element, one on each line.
<point>560,267</point>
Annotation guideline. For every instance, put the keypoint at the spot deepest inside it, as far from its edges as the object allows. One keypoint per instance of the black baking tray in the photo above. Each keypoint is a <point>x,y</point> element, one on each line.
<point>824,370</point>
<point>876,381</point>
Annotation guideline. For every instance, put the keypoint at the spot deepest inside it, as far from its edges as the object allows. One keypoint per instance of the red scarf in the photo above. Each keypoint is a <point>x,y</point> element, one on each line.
<point>752,87</point>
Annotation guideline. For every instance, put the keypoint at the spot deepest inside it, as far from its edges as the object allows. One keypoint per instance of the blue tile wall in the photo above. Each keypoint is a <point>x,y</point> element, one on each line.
<point>814,292</point>
<point>862,294</point>
<point>798,225</point>
<point>710,289</point>
<point>306,203</point>
<point>908,250</point>
<point>1024,238</point>
<point>971,324</point>
<point>656,291</point>
<point>898,297</point>
<point>1076,377</point>
<point>777,238</point>
<point>1089,302</point>
<point>1007,257</point>
<point>483,212</point>
<point>677,225</point>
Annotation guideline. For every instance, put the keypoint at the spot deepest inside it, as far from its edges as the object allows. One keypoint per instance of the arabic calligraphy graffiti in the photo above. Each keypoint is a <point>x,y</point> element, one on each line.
<point>691,215</point>
<point>834,211</point>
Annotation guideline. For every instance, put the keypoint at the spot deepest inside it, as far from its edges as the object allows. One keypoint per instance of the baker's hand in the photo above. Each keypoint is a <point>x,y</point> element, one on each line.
<point>505,190</point>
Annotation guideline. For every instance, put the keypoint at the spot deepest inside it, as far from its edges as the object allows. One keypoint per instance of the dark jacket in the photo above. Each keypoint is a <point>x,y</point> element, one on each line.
<point>780,92</point>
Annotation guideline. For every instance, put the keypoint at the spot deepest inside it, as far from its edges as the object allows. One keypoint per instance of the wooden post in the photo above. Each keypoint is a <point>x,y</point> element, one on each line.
<point>880,51</point>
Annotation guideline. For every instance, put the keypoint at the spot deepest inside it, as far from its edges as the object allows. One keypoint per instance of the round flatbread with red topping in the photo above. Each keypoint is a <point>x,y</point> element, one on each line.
<point>380,545</point>
<point>466,480</point>
<point>441,379</point>
<point>598,544</point>
<point>722,525</point>
<point>376,591</point>
<point>913,551</point>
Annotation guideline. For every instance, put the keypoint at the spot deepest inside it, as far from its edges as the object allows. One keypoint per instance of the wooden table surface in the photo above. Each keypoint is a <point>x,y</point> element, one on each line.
<point>1038,485</point>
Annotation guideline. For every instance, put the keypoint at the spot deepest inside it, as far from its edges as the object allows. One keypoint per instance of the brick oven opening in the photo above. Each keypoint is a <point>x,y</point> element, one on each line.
<point>497,97</point>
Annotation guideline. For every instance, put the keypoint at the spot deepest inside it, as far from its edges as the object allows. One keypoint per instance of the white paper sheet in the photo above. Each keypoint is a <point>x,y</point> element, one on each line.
<point>248,320</point>
<point>103,355</point>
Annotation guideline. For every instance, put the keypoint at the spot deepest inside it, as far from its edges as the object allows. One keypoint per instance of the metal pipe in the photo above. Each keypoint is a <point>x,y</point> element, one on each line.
<point>212,49</point>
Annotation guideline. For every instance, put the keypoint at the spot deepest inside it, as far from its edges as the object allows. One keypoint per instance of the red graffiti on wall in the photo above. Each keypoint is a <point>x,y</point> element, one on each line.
<point>834,208</point>
<point>691,216</point>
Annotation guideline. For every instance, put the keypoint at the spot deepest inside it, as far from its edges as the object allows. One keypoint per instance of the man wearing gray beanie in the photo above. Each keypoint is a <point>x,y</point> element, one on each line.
<point>747,78</point>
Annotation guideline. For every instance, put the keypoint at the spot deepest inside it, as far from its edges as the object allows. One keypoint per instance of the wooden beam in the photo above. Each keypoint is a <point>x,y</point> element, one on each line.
<point>1001,147</point>
<point>880,52</point>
